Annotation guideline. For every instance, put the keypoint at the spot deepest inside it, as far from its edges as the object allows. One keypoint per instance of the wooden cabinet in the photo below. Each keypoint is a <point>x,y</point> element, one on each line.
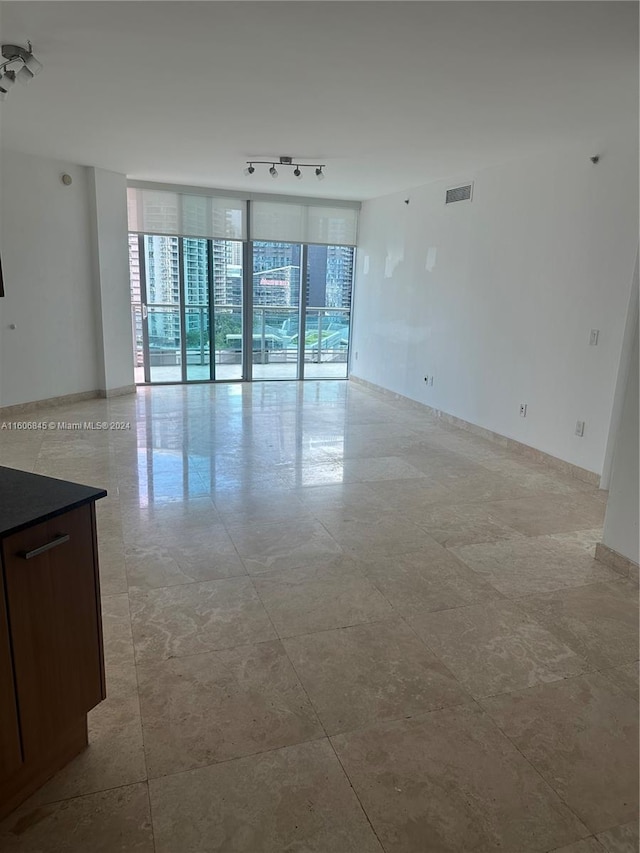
<point>51,658</point>
<point>10,745</point>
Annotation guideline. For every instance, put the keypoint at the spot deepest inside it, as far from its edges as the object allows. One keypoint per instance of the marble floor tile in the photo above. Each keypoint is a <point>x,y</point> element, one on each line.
<point>381,468</point>
<point>241,508</point>
<point>620,839</point>
<point>291,799</point>
<point>587,845</point>
<point>520,567</point>
<point>626,677</point>
<point>285,545</point>
<point>101,823</point>
<point>113,574</point>
<point>581,735</point>
<point>376,671</point>
<point>197,617</point>
<point>116,630</point>
<point>203,709</point>
<point>460,524</point>
<point>495,647</point>
<point>303,601</point>
<point>326,473</point>
<point>598,621</point>
<point>386,534</point>
<point>147,520</point>
<point>204,555</point>
<point>426,580</point>
<point>401,495</point>
<point>481,485</point>
<point>535,477</point>
<point>550,513</point>
<point>338,497</point>
<point>450,781</point>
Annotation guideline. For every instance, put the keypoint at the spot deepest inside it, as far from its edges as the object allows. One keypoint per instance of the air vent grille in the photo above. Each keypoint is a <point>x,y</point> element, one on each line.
<point>459,194</point>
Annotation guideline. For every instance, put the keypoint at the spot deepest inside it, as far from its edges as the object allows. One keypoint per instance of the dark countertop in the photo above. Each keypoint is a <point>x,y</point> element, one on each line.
<point>27,499</point>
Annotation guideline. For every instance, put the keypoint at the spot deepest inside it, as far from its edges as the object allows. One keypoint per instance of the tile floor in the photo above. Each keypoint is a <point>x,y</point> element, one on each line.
<point>336,625</point>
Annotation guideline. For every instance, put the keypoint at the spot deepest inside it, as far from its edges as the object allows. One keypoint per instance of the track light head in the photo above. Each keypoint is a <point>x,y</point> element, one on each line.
<point>7,80</point>
<point>18,56</point>
<point>297,172</point>
<point>250,169</point>
<point>319,173</point>
<point>273,171</point>
<point>24,76</point>
<point>32,63</point>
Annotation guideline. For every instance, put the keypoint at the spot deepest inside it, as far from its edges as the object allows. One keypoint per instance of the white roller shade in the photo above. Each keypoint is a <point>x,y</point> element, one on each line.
<point>288,222</point>
<point>168,212</point>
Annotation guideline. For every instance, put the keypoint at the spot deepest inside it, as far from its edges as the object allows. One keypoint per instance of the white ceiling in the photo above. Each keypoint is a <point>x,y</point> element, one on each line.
<point>389,95</point>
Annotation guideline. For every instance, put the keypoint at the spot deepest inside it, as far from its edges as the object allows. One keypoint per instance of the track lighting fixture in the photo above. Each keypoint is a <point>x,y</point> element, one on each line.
<point>20,65</point>
<point>286,161</point>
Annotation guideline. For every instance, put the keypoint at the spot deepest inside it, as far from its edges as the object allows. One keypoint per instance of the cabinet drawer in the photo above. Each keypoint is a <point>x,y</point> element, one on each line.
<point>54,621</point>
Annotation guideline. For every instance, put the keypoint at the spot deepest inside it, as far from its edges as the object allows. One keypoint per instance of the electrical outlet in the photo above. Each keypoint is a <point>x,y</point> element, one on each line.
<point>523,410</point>
<point>356,355</point>
<point>426,379</point>
<point>593,337</point>
<point>431,380</point>
<point>580,428</point>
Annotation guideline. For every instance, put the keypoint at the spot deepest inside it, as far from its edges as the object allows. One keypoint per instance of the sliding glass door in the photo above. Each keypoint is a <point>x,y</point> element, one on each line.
<point>276,310</point>
<point>327,311</point>
<point>190,300</point>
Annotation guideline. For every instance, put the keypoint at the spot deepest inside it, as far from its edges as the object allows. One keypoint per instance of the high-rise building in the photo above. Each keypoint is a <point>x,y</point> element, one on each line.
<point>329,276</point>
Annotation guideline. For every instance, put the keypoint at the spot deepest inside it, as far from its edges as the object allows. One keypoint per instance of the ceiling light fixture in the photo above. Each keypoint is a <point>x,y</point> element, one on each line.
<point>20,65</point>
<point>286,161</point>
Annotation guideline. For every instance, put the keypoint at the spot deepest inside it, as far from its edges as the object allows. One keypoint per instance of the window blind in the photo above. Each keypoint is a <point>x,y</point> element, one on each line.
<point>189,214</point>
<point>288,222</point>
<point>168,212</point>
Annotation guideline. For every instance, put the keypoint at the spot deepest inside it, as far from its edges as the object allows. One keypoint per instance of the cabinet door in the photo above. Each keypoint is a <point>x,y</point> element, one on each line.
<point>10,749</point>
<point>56,632</point>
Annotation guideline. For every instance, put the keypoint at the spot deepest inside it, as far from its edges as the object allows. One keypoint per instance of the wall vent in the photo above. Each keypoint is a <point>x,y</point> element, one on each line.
<point>459,194</point>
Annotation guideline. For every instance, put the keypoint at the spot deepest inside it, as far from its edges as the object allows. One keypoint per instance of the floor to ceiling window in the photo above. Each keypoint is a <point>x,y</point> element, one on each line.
<point>181,289</point>
<point>206,308</point>
<point>276,309</point>
<point>329,286</point>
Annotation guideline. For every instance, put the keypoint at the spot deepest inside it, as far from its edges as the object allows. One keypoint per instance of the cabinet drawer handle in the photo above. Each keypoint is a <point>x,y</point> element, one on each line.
<point>58,540</point>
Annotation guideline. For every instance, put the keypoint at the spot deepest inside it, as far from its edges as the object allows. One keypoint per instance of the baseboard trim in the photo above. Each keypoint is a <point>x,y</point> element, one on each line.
<point>116,392</point>
<point>618,562</point>
<point>20,409</point>
<point>510,443</point>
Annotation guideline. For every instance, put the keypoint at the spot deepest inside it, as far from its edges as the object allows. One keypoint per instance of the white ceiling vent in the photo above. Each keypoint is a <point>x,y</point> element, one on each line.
<point>459,194</point>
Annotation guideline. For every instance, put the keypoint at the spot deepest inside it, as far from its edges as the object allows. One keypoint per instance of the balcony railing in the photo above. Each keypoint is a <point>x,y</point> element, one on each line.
<point>275,334</point>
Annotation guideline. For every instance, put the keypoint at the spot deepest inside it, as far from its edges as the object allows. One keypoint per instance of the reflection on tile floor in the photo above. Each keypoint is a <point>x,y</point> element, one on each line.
<point>335,624</point>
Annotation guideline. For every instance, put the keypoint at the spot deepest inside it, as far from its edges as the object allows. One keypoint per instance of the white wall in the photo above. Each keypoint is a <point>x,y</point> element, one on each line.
<point>64,254</point>
<point>109,229</point>
<point>48,281</point>
<point>621,524</point>
<point>496,297</point>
